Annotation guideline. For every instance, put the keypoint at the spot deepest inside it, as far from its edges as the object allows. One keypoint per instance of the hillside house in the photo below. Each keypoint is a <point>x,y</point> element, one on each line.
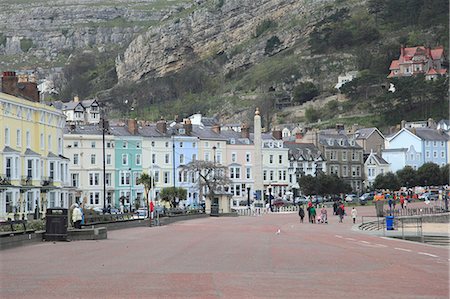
<point>419,60</point>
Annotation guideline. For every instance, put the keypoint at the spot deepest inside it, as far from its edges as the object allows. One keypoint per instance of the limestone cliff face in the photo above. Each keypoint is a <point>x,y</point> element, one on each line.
<point>48,30</point>
<point>218,29</point>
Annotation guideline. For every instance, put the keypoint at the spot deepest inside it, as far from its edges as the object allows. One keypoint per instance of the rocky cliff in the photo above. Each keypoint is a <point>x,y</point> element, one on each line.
<point>238,29</point>
<point>46,32</point>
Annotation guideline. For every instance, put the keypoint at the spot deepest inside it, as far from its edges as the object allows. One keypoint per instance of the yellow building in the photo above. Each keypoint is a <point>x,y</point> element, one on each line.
<point>33,173</point>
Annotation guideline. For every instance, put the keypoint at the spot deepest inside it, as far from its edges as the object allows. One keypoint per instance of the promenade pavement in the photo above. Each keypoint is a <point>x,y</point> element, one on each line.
<point>230,257</point>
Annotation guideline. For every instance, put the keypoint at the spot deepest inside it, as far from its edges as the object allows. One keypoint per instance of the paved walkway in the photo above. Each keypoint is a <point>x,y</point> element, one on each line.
<point>235,257</point>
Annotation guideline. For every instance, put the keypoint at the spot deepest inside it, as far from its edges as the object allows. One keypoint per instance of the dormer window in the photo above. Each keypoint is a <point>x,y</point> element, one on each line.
<point>232,141</point>
<point>341,142</point>
<point>330,141</point>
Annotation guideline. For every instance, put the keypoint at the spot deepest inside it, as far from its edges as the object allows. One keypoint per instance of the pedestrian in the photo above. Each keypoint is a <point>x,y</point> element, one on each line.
<point>301,213</point>
<point>323,215</point>
<point>335,206</point>
<point>76,217</point>
<point>402,201</point>
<point>354,214</point>
<point>308,209</point>
<point>340,213</point>
<point>390,202</point>
<point>313,214</point>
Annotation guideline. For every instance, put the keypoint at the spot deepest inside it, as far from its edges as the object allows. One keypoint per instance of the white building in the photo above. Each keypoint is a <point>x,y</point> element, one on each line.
<point>373,166</point>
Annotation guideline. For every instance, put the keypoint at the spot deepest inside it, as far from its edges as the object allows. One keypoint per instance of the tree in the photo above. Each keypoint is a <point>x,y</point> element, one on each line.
<point>210,175</point>
<point>171,194</point>
<point>305,92</point>
<point>445,174</point>
<point>148,182</point>
<point>308,184</point>
<point>407,176</point>
<point>387,181</point>
<point>429,174</point>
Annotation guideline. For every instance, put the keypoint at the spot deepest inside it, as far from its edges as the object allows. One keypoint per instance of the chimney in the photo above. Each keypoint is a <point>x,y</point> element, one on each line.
<point>76,99</point>
<point>402,50</point>
<point>277,134</point>
<point>187,125</point>
<point>339,127</point>
<point>9,83</point>
<point>132,126</point>
<point>216,128</point>
<point>431,124</point>
<point>245,131</point>
<point>403,124</point>
<point>161,126</point>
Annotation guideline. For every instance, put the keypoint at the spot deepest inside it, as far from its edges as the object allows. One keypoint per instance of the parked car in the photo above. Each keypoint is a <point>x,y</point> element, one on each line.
<point>281,203</point>
<point>300,200</point>
<point>351,198</point>
<point>363,199</point>
<point>98,210</point>
<point>429,196</point>
<point>140,213</point>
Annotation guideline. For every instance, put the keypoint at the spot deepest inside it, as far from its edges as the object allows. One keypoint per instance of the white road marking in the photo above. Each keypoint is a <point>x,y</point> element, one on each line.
<point>403,249</point>
<point>365,242</point>
<point>350,239</point>
<point>380,245</point>
<point>428,254</point>
<point>338,236</point>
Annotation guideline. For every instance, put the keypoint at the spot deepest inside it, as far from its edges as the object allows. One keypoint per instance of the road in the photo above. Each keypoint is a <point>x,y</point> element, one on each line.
<point>229,257</point>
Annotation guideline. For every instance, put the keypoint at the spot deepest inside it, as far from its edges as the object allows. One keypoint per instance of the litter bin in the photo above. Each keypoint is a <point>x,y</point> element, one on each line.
<point>390,222</point>
<point>56,224</point>
<point>214,209</point>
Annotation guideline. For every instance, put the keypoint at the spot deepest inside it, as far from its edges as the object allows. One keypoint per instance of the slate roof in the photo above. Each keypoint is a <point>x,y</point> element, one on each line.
<point>8,149</point>
<point>52,155</point>
<point>304,151</point>
<point>365,133</point>
<point>379,160</point>
<point>335,137</point>
<point>29,152</point>
<point>430,134</point>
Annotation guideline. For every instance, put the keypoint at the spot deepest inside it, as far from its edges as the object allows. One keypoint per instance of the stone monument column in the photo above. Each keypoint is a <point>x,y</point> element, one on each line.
<point>257,173</point>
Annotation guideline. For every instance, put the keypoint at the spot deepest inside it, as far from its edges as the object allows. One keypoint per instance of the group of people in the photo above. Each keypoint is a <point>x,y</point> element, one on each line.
<point>338,209</point>
<point>77,216</point>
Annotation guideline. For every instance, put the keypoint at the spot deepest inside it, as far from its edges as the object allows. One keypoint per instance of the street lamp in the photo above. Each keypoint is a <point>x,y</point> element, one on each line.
<point>270,198</point>
<point>131,191</point>
<point>248,197</point>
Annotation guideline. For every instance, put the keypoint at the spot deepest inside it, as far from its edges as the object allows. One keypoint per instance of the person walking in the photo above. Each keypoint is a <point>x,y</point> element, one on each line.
<point>323,215</point>
<point>301,213</point>
<point>354,215</point>
<point>340,213</point>
<point>76,217</point>
<point>308,209</point>
<point>313,214</point>
<point>402,201</point>
<point>335,206</point>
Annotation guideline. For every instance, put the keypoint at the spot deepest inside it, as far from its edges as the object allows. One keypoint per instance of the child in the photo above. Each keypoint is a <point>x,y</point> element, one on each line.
<point>354,214</point>
<point>323,215</point>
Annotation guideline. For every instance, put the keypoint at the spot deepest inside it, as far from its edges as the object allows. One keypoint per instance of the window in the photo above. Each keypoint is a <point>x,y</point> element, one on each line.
<point>7,140</point>
<point>94,198</point>
<point>206,157</point>
<point>354,156</point>
<point>181,144</point>
<point>167,144</point>
<point>427,143</point>
<point>265,175</point>
<point>136,178</point>
<point>334,169</point>
<point>355,171</point>
<point>442,154</point>
<point>124,159</point>
<point>75,180</point>
<point>166,177</point>
<point>271,175</point>
<point>233,157</point>
<point>333,155</point>
<point>125,144</point>
<point>344,156</point>
<point>109,144</point>
<point>194,144</point>
<point>138,159</point>
<point>181,159</point>
<point>434,143</point>
<point>52,170</point>
<point>284,175</point>
<point>280,175</point>
<point>138,144</point>
<point>8,167</point>
<point>75,159</point>
<point>108,159</point>
<point>427,154</point>
<point>124,178</point>
<point>49,142</point>
<point>153,158</point>
<point>166,158</point>
<point>42,141</point>
<point>235,172</point>
<point>92,159</point>
<point>206,144</point>
<point>94,179</point>
<point>28,139</point>
<point>18,138</point>
<point>194,157</point>
<point>75,144</point>
<point>247,158</point>
<point>153,143</point>
<point>108,179</point>
<point>271,159</point>
<point>248,173</point>
<point>156,176</point>
<point>412,157</point>
<point>344,170</point>
<point>435,154</point>
<point>30,202</point>
<point>92,144</point>
<point>280,159</point>
<point>442,143</point>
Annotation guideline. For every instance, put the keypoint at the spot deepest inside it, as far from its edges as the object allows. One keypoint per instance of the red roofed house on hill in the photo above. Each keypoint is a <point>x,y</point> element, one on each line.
<point>419,60</point>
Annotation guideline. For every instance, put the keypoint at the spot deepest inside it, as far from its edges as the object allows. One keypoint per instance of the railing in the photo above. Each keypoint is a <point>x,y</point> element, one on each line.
<point>47,181</point>
<point>26,181</point>
<point>411,222</point>
<point>104,218</point>
<point>414,211</point>
<point>5,181</point>
<point>251,212</point>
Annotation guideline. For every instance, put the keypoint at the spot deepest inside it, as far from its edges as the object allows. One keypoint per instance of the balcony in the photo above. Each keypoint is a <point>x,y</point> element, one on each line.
<point>4,180</point>
<point>26,181</point>
<point>47,182</point>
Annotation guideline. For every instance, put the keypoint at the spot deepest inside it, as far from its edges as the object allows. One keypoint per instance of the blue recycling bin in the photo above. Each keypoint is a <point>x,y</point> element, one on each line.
<point>389,222</point>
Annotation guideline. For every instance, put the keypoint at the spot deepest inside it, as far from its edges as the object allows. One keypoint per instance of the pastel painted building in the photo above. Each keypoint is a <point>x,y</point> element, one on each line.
<point>128,165</point>
<point>373,166</point>
<point>34,174</point>
<point>84,148</point>
<point>275,163</point>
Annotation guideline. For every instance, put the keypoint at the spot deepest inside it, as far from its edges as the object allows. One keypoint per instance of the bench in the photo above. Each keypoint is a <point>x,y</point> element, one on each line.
<point>13,231</point>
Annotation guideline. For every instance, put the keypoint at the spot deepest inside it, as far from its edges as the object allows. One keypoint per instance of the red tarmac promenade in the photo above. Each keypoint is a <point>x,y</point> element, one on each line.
<point>229,257</point>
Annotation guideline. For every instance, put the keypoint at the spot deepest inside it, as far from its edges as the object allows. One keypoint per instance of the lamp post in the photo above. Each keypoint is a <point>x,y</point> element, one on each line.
<point>104,164</point>
<point>248,197</point>
<point>270,198</point>
<point>131,191</point>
